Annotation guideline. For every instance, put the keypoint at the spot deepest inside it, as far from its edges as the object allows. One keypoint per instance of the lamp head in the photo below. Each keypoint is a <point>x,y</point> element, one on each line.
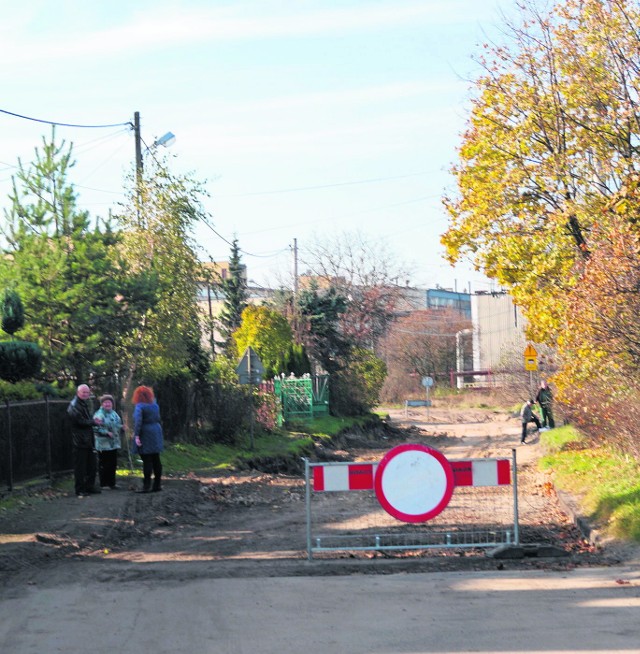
<point>167,140</point>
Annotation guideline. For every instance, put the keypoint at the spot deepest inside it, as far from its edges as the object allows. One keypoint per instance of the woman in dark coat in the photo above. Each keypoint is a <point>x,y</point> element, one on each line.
<point>147,436</point>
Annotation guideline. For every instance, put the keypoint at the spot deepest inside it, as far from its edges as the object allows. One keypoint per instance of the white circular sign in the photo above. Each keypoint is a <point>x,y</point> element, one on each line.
<point>414,483</point>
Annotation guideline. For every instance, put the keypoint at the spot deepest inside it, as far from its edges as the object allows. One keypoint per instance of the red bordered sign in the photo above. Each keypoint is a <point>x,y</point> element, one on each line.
<point>414,483</point>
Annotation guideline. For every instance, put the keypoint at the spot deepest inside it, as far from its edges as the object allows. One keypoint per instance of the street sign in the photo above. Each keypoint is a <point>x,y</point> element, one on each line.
<point>414,483</point>
<point>250,368</point>
<point>530,358</point>
<point>427,382</point>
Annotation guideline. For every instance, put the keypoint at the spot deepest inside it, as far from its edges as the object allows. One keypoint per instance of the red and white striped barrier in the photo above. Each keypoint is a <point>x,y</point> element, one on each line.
<point>333,476</point>
<point>412,482</point>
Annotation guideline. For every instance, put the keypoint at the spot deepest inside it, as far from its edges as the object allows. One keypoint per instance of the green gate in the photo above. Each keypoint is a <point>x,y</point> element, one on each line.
<point>304,397</point>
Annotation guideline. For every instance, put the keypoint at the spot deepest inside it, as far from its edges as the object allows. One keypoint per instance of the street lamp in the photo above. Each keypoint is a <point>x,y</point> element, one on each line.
<point>167,140</point>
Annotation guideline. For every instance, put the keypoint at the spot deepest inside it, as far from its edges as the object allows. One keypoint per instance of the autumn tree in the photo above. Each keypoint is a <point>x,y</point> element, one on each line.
<point>547,196</point>
<point>601,342</point>
<point>268,333</point>
<point>551,137</point>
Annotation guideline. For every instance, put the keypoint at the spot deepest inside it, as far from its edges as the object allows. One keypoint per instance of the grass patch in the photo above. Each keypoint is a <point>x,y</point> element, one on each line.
<point>183,457</point>
<point>294,441</point>
<point>559,439</point>
<point>326,427</point>
<point>607,482</point>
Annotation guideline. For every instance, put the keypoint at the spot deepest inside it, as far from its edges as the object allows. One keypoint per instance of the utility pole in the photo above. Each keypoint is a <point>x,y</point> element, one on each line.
<point>138,140</point>
<point>295,267</point>
<point>294,303</point>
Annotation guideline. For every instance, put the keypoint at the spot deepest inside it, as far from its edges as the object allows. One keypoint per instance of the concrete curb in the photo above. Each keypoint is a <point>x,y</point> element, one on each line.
<point>528,550</point>
<point>570,506</point>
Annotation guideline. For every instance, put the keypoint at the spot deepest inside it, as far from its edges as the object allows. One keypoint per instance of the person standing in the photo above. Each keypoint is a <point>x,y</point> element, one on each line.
<point>147,437</point>
<point>80,411</point>
<point>527,415</point>
<point>545,399</point>
<point>107,432</point>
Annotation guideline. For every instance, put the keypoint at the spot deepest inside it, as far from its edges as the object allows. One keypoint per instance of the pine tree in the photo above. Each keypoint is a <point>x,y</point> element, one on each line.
<point>80,299</point>
<point>320,316</point>
<point>234,289</point>
<point>61,267</point>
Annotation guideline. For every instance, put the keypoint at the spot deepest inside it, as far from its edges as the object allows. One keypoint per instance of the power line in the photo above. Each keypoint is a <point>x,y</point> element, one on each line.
<point>337,184</point>
<point>54,122</point>
<point>249,254</point>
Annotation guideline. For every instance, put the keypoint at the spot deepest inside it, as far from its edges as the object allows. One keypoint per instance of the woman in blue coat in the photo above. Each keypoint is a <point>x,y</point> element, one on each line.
<point>147,436</point>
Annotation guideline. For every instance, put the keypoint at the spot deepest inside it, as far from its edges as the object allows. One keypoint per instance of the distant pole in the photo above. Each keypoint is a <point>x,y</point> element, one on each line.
<point>295,267</point>
<point>138,141</point>
<point>531,394</point>
<point>212,336</point>
<point>250,397</point>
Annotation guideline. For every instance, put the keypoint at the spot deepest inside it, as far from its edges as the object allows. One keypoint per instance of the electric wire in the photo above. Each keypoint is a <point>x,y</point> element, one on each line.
<point>61,124</point>
<point>228,242</point>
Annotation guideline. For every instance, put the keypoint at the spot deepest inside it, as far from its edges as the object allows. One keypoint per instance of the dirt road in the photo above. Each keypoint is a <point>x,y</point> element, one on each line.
<point>218,565</point>
<point>253,523</point>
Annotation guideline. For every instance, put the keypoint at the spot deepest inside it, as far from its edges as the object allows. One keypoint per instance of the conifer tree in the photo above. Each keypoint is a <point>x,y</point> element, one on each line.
<point>234,289</point>
<point>64,268</point>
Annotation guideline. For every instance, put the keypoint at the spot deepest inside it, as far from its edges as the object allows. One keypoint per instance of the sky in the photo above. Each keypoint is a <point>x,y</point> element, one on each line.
<point>304,119</point>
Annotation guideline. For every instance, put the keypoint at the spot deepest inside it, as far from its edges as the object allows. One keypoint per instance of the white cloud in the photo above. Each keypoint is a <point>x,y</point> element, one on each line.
<point>184,25</point>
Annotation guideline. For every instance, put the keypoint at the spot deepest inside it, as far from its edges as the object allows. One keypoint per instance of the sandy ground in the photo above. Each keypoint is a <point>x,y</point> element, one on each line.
<point>252,523</point>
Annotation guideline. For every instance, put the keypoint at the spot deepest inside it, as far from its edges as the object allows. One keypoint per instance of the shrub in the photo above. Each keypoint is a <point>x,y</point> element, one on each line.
<point>19,391</point>
<point>12,312</point>
<point>19,360</point>
<point>355,389</point>
<point>267,410</point>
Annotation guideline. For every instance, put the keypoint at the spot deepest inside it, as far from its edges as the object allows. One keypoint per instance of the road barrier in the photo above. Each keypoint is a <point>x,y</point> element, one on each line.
<point>412,499</point>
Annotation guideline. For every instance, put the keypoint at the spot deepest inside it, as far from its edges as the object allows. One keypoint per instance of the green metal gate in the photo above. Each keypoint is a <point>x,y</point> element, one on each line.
<point>304,397</point>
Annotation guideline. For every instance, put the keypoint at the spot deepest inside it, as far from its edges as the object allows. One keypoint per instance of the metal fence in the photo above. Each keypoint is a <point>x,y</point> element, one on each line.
<point>351,520</point>
<point>35,440</point>
<point>305,397</point>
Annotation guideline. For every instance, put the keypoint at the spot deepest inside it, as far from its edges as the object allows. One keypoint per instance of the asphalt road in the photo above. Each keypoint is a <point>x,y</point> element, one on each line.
<point>584,610</point>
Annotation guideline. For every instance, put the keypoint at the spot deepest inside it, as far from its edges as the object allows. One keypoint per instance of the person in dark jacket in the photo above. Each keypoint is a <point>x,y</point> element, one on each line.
<point>527,415</point>
<point>80,411</point>
<point>545,399</point>
<point>147,437</point>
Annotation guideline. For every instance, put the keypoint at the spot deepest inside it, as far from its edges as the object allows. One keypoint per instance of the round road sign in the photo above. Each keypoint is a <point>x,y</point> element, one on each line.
<point>414,483</point>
